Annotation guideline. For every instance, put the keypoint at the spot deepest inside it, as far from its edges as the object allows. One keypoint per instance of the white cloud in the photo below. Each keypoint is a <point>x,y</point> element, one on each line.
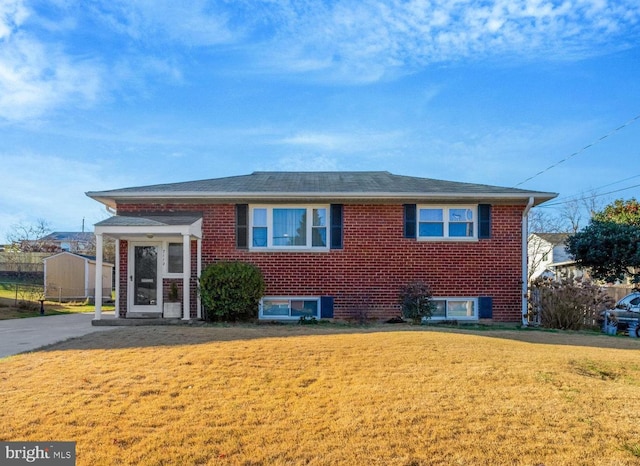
<point>346,142</point>
<point>194,23</point>
<point>36,77</point>
<point>364,41</point>
<point>51,188</point>
<point>345,41</point>
<point>12,15</point>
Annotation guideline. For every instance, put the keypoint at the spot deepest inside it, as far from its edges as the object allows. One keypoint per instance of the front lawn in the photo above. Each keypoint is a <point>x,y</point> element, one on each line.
<point>322,395</point>
<point>18,300</point>
<point>10,310</point>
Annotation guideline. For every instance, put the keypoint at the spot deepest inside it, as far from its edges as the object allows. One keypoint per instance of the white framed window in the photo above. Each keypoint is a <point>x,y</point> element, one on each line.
<point>456,222</point>
<point>289,308</point>
<point>172,258</point>
<point>455,309</point>
<point>289,227</point>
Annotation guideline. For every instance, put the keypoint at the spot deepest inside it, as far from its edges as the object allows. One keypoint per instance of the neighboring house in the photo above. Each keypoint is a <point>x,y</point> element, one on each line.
<point>329,244</point>
<point>548,257</point>
<point>69,276</point>
<point>72,241</point>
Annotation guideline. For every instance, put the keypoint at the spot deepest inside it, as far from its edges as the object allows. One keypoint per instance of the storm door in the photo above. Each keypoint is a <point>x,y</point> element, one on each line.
<point>144,283</point>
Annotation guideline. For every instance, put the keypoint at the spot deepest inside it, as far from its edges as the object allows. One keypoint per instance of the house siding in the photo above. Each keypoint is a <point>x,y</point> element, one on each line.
<point>376,260</point>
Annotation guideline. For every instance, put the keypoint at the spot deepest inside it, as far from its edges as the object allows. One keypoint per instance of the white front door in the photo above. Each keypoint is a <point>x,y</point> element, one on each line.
<point>145,285</point>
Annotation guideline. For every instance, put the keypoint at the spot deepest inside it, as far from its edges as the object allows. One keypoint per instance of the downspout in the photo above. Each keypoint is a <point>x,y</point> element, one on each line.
<point>525,264</point>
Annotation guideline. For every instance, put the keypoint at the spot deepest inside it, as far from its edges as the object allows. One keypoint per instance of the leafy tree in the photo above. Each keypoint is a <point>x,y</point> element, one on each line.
<point>609,245</point>
<point>621,211</point>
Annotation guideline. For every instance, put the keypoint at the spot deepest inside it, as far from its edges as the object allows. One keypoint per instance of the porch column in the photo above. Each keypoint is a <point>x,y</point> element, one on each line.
<point>117,284</point>
<point>98,291</point>
<point>186,277</point>
<point>199,271</point>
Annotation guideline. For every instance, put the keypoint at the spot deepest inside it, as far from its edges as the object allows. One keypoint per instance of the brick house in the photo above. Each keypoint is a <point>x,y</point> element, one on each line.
<point>329,244</point>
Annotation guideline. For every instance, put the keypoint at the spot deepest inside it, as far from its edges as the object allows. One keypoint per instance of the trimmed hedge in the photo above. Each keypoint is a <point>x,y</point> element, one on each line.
<point>231,291</point>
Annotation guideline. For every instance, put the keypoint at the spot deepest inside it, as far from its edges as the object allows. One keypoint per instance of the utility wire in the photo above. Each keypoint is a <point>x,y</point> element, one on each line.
<point>637,117</point>
<point>594,192</point>
<point>593,196</point>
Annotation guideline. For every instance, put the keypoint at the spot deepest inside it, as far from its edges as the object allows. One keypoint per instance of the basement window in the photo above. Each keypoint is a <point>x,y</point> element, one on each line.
<point>455,309</point>
<point>286,308</point>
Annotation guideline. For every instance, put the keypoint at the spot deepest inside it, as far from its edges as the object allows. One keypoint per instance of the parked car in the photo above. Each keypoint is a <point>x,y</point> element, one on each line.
<point>625,311</point>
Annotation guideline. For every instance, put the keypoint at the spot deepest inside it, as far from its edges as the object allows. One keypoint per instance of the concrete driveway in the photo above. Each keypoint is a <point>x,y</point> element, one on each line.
<point>20,335</point>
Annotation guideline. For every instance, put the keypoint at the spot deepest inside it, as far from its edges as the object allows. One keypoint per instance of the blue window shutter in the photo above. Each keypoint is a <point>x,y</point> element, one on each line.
<point>484,221</point>
<point>485,307</point>
<point>242,226</point>
<point>410,220</point>
<point>336,213</point>
<point>326,307</point>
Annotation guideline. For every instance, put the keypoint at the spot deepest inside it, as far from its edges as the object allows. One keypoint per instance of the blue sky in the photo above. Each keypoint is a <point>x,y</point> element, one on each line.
<point>107,94</point>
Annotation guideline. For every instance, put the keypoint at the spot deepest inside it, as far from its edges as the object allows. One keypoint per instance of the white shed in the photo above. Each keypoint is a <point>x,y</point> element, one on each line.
<point>69,276</point>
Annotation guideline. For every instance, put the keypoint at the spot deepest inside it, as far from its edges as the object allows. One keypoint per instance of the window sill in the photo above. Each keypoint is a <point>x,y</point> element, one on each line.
<point>460,319</point>
<point>285,249</point>
<point>448,240</point>
<point>284,318</point>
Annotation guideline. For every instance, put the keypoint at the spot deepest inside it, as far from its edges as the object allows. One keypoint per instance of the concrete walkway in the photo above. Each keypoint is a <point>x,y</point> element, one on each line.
<point>21,335</point>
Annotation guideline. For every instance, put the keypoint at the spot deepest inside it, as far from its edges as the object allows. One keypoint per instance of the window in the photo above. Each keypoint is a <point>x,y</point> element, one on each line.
<point>174,258</point>
<point>455,222</point>
<point>455,308</point>
<point>289,227</point>
<point>289,308</point>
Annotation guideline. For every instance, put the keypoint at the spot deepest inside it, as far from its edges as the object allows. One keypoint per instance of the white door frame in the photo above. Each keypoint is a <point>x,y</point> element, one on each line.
<point>149,308</point>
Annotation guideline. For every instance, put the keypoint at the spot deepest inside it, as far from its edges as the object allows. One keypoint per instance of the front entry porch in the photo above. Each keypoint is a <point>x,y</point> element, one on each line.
<point>158,262</point>
<point>109,320</point>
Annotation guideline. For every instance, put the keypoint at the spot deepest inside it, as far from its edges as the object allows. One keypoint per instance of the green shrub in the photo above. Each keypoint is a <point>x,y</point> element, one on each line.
<point>231,291</point>
<point>567,304</point>
<point>416,302</point>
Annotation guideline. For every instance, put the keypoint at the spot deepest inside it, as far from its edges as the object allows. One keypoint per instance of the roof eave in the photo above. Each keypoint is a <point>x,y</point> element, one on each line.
<point>111,199</point>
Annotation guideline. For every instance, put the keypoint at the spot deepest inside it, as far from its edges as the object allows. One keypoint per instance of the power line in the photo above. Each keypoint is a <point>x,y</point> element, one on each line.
<point>592,196</point>
<point>594,191</point>
<point>580,151</point>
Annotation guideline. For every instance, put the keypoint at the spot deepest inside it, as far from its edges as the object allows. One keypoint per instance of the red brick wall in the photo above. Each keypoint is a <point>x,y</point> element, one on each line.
<point>377,260</point>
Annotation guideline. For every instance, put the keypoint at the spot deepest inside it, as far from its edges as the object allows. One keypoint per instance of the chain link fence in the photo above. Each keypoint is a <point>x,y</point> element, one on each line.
<point>21,292</point>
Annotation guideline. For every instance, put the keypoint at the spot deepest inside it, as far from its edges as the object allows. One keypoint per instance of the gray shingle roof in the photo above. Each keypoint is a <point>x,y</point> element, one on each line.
<point>68,236</point>
<point>553,238</point>
<point>149,220</point>
<point>288,185</point>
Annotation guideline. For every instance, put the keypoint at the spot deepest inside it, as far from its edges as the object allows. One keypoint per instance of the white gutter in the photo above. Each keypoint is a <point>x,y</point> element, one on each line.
<point>100,196</point>
<point>524,280</point>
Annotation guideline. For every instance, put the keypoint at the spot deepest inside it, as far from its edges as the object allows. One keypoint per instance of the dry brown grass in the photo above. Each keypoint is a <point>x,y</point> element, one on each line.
<point>329,395</point>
